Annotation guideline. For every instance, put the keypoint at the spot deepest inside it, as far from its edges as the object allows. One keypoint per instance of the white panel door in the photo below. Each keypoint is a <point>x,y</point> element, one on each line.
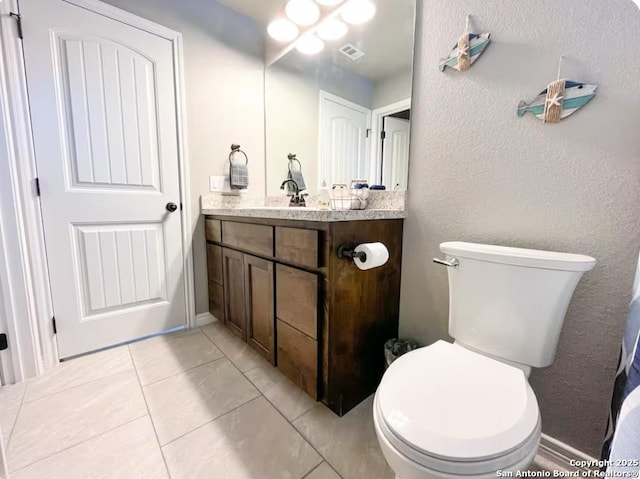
<point>395,153</point>
<point>344,143</point>
<point>103,107</point>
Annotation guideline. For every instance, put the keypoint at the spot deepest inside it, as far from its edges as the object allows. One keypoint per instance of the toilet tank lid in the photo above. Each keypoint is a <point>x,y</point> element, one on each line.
<point>531,258</point>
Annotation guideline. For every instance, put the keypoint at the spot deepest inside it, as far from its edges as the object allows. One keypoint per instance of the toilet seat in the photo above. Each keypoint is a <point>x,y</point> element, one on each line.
<point>454,410</point>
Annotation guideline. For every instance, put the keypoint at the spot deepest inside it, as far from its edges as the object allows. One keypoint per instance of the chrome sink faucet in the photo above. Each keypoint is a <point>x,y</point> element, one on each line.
<point>297,200</point>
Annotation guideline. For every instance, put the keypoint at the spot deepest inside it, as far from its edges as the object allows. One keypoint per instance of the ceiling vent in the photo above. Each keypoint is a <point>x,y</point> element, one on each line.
<point>351,51</point>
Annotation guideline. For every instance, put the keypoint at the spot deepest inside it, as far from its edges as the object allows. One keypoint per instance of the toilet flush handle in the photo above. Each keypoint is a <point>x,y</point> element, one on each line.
<point>454,263</point>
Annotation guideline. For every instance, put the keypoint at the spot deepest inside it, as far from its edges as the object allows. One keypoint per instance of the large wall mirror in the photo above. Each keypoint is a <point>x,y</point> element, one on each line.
<point>342,106</point>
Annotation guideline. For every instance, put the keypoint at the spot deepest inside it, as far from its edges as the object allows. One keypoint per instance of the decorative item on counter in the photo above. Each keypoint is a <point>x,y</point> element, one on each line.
<point>340,197</point>
<point>324,196</point>
<point>359,194</point>
<point>295,174</point>
<point>468,49</point>
<point>559,100</point>
<point>238,172</point>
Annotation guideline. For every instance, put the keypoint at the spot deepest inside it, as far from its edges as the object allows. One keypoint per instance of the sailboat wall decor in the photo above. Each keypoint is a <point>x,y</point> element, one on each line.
<point>559,100</point>
<point>468,49</point>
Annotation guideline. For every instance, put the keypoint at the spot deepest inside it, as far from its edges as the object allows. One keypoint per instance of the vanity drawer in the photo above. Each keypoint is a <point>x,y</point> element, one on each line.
<point>297,246</point>
<point>212,230</point>
<point>297,299</point>
<point>298,358</point>
<point>216,301</point>
<point>214,263</point>
<point>254,238</point>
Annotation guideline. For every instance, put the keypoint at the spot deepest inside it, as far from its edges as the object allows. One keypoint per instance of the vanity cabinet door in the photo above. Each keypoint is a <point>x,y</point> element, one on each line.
<point>259,305</point>
<point>234,303</point>
<point>214,263</point>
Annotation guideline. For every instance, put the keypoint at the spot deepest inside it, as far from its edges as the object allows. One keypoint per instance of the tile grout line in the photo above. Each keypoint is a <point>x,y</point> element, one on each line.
<point>180,334</point>
<point>78,444</point>
<point>177,373</point>
<point>181,370</point>
<point>213,420</point>
<point>318,467</point>
<point>148,413</point>
<point>305,439</point>
<point>146,405</point>
<point>224,356</point>
<point>77,385</point>
<point>15,421</point>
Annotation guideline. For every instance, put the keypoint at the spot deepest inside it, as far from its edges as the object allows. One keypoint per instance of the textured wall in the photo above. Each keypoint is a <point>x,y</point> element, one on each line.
<point>224,85</point>
<point>479,173</point>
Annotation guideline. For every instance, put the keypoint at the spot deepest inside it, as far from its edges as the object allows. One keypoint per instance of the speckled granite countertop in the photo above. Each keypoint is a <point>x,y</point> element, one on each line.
<point>383,206</point>
<point>306,214</point>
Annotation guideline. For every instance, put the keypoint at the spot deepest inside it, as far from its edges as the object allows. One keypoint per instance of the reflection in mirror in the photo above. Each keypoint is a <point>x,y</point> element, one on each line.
<point>344,111</point>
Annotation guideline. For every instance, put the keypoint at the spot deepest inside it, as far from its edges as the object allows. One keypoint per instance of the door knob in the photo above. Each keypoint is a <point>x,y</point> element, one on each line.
<point>171,207</point>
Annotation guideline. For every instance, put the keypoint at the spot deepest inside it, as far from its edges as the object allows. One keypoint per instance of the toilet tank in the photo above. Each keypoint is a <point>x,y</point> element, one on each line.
<point>511,302</point>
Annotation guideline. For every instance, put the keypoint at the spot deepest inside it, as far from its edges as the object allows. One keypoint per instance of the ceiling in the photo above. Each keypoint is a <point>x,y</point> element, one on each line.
<point>387,39</point>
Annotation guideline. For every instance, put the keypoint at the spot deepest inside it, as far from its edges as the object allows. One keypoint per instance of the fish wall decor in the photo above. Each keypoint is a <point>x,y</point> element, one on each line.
<point>468,49</point>
<point>559,100</point>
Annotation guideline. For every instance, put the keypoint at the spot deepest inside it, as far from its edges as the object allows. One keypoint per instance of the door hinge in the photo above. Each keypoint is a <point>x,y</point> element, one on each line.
<point>53,321</point>
<point>368,132</point>
<point>180,206</point>
<point>3,342</point>
<point>383,135</point>
<point>18,18</point>
<point>36,182</point>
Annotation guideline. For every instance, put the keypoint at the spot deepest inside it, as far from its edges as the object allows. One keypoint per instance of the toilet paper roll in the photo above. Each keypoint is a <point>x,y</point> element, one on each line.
<point>377,255</point>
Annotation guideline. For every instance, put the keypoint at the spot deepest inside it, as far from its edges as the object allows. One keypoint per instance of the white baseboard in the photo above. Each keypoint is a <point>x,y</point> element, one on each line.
<point>556,455</point>
<point>205,318</point>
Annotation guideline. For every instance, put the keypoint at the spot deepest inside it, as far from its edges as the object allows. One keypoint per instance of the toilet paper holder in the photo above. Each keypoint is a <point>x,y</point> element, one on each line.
<point>347,251</point>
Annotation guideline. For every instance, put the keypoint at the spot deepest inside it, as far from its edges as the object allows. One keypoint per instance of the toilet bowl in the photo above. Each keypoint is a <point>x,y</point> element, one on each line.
<point>467,409</point>
<point>443,411</point>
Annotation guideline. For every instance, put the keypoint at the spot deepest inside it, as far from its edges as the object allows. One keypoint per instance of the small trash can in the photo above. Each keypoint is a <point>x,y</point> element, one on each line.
<point>394,348</point>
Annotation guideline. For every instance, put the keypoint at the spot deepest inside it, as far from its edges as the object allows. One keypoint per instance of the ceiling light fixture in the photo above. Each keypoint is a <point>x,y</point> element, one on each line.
<point>310,45</point>
<point>356,12</point>
<point>282,30</point>
<point>329,3</point>
<point>302,12</point>
<point>332,29</point>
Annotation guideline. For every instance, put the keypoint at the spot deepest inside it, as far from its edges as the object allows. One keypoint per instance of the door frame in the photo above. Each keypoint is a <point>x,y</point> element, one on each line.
<point>32,341</point>
<point>323,96</point>
<point>377,118</point>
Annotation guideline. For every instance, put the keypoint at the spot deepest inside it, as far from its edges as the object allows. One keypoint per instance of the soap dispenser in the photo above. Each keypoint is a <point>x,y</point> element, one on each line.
<point>324,196</point>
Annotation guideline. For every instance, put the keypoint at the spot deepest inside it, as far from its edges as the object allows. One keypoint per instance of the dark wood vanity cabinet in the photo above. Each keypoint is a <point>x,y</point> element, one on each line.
<point>279,285</point>
<point>235,315</point>
<point>259,300</point>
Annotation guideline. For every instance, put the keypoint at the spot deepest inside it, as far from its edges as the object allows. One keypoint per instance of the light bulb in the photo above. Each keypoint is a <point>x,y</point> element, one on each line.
<point>329,3</point>
<point>356,12</point>
<point>302,12</point>
<point>310,45</point>
<point>332,29</point>
<point>282,30</point>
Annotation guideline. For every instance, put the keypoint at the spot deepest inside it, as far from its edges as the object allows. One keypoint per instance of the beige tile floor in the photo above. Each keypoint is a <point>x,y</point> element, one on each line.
<point>193,404</point>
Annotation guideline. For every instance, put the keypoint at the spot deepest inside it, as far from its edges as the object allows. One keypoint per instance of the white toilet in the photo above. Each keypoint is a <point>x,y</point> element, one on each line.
<point>467,409</point>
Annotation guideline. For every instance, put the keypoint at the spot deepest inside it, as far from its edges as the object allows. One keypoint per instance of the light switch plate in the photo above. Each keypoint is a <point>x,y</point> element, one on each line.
<point>216,183</point>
